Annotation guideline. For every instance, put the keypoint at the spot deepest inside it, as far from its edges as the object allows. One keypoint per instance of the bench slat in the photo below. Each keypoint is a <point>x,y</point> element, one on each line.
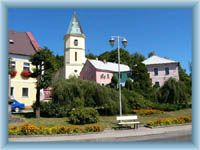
<point>127,117</point>
<point>137,122</point>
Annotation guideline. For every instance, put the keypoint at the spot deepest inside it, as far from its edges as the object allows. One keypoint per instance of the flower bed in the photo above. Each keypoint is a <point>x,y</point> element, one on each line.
<point>30,129</point>
<point>25,73</point>
<point>13,73</point>
<point>144,112</point>
<point>170,121</point>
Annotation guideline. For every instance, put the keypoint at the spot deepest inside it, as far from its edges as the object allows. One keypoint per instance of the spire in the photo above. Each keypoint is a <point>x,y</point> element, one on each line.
<point>74,26</point>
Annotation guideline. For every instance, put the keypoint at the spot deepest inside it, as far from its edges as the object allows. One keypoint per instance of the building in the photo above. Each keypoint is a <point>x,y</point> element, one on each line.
<point>102,72</point>
<point>161,69</point>
<point>22,45</point>
<point>74,48</point>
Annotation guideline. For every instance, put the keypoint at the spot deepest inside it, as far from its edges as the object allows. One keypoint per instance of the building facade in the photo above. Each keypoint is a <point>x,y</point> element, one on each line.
<point>161,69</point>
<point>22,45</point>
<point>102,72</point>
<point>74,49</point>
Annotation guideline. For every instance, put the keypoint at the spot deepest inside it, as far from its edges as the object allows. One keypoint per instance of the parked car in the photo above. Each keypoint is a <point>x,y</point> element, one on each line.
<point>17,106</point>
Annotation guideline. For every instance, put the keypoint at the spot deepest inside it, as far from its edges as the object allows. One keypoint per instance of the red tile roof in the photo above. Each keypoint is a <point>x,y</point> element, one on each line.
<point>22,43</point>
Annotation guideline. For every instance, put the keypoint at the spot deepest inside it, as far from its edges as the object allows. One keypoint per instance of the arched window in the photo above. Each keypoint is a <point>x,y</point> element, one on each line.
<point>75,42</point>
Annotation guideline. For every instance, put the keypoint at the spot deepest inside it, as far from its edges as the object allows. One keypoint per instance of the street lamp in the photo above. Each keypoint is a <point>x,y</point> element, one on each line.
<point>124,43</point>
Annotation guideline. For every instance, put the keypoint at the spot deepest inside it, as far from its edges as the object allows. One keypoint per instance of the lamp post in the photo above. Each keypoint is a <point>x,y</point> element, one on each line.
<point>124,43</point>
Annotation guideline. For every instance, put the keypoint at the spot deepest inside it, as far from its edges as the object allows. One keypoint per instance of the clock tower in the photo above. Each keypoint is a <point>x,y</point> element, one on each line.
<point>74,48</point>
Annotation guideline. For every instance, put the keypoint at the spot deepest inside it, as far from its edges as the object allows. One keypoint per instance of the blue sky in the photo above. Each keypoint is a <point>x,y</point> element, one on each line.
<point>168,32</point>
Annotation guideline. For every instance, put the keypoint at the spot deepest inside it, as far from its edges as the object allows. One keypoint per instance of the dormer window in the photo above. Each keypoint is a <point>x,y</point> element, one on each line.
<point>11,41</point>
<point>75,42</point>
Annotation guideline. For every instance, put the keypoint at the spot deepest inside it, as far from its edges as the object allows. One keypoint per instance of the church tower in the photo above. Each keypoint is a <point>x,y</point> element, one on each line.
<point>74,48</point>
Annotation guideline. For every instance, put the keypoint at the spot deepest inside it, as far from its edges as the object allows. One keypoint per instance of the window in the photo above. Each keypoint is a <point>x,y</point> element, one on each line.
<point>13,64</point>
<point>11,91</point>
<point>11,41</point>
<point>75,56</point>
<point>166,71</point>
<point>26,66</point>
<point>157,84</point>
<point>108,76</point>
<point>75,42</point>
<point>155,71</point>
<point>24,91</point>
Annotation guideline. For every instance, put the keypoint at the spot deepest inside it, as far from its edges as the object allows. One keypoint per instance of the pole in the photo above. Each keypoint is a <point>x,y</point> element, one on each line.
<point>119,81</point>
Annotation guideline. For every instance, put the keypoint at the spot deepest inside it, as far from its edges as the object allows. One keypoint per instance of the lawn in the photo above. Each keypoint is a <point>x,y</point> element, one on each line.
<point>106,121</point>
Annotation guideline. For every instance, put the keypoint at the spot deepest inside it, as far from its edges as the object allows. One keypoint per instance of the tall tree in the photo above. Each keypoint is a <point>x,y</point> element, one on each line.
<point>44,63</point>
<point>152,53</point>
<point>142,82</point>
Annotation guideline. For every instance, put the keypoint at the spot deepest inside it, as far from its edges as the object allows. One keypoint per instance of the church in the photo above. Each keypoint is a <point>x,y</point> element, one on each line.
<point>74,49</point>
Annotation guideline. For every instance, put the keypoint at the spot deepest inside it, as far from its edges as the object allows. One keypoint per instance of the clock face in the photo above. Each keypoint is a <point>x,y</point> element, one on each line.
<point>76,42</point>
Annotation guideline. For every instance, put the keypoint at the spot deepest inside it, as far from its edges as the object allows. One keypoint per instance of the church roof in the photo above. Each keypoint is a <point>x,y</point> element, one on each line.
<point>109,66</point>
<point>157,60</point>
<point>74,26</point>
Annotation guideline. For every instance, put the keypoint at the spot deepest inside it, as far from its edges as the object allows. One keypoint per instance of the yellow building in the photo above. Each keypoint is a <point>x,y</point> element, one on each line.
<point>21,46</point>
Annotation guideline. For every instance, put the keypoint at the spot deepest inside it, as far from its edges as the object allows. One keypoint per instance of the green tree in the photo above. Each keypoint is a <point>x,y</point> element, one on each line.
<point>142,82</point>
<point>91,56</point>
<point>152,53</point>
<point>44,63</point>
<point>112,56</point>
<point>173,92</point>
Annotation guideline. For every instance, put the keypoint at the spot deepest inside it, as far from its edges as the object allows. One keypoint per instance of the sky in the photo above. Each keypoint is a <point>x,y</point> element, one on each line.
<point>167,31</point>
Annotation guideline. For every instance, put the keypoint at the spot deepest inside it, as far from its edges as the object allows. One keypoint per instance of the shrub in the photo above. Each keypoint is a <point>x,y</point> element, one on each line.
<point>25,73</point>
<point>173,92</point>
<point>13,73</point>
<point>28,129</point>
<point>93,128</point>
<point>169,121</point>
<point>14,130</point>
<point>83,116</point>
<point>144,112</point>
<point>50,109</point>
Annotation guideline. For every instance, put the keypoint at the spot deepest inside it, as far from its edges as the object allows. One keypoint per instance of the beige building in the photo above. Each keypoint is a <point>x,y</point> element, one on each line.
<point>74,49</point>
<point>21,46</point>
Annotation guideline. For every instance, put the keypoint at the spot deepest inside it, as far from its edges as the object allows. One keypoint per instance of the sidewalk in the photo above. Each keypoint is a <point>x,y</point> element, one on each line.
<point>106,134</point>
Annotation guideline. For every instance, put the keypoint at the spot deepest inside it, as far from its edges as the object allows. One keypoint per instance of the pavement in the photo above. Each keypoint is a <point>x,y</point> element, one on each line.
<point>108,134</point>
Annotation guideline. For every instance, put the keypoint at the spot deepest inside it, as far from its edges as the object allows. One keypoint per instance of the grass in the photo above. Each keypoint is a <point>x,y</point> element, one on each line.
<point>106,121</point>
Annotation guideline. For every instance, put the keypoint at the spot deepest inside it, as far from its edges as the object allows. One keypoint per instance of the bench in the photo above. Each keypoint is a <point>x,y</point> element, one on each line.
<point>128,120</point>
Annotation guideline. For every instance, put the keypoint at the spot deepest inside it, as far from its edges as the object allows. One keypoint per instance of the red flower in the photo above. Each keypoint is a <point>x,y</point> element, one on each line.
<point>13,73</point>
<point>25,73</point>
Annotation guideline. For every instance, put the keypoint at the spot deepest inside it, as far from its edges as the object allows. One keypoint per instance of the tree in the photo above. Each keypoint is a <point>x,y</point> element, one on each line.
<point>142,82</point>
<point>44,63</point>
<point>173,92</point>
<point>91,56</point>
<point>152,53</point>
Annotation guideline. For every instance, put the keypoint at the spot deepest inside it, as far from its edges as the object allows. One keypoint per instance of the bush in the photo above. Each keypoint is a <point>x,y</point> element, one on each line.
<point>173,92</point>
<point>169,121</point>
<point>93,128</point>
<point>50,109</point>
<point>30,129</point>
<point>83,116</point>
<point>90,94</point>
<point>144,112</point>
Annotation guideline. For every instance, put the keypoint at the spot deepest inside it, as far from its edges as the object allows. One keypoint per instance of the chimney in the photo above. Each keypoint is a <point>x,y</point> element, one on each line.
<point>97,58</point>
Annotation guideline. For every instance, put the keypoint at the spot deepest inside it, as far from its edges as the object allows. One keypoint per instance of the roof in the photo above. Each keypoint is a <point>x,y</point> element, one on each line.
<point>109,66</point>
<point>75,26</point>
<point>157,60</point>
<point>22,43</point>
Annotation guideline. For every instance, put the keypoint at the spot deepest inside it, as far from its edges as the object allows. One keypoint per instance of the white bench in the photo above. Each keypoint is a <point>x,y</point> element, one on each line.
<point>128,120</point>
